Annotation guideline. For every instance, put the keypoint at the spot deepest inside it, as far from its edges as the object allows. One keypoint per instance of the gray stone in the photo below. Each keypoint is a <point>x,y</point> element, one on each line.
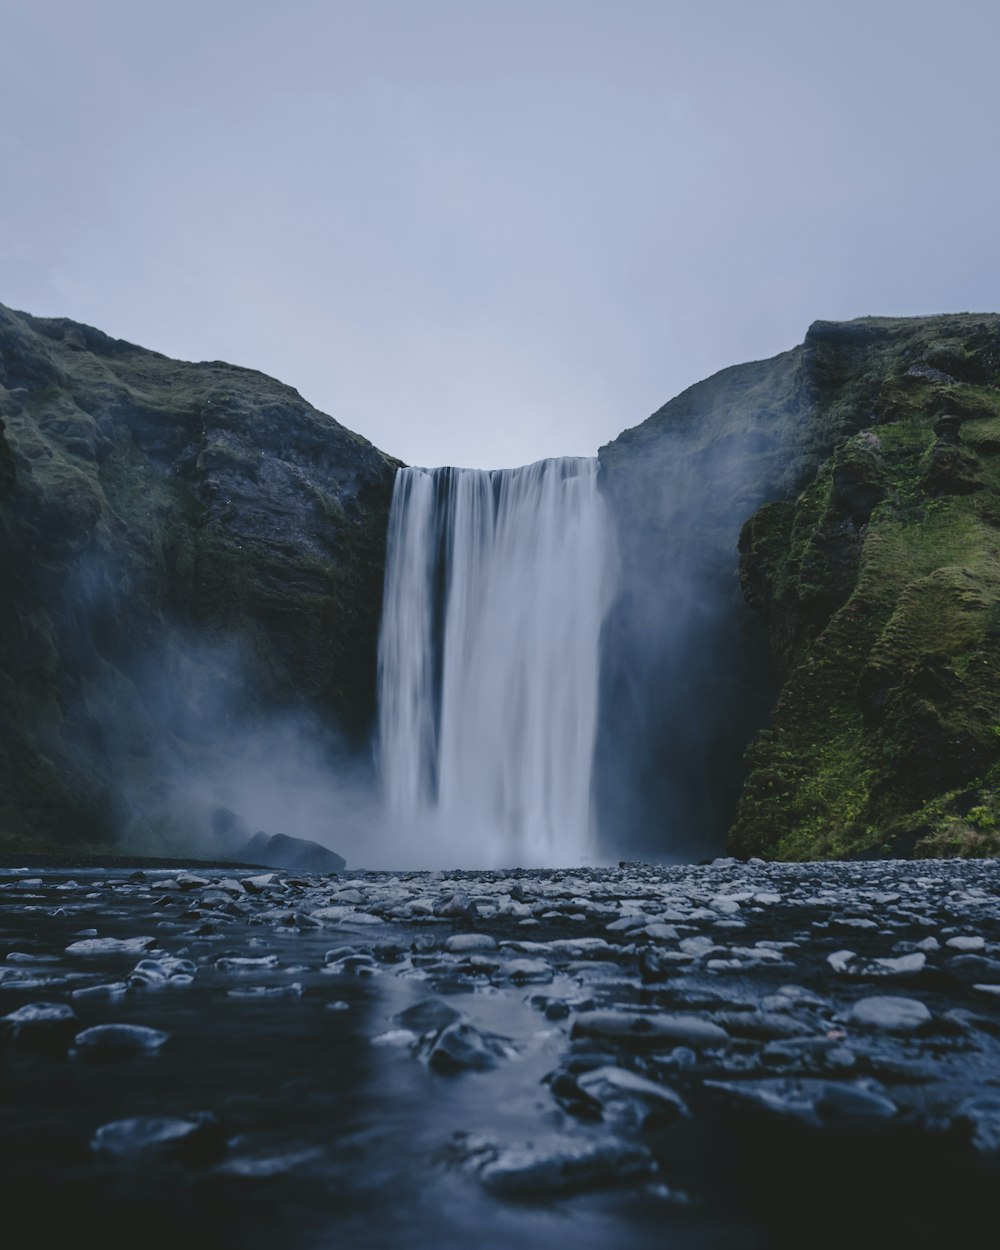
<point>40,1026</point>
<point>462,943</point>
<point>555,1165</point>
<point>428,1016</point>
<point>461,1047</point>
<point>524,972</point>
<point>630,1102</point>
<point>896,1015</point>
<point>194,1138</point>
<point>295,854</point>
<point>111,946</point>
<point>120,1039</point>
<point>656,1030</point>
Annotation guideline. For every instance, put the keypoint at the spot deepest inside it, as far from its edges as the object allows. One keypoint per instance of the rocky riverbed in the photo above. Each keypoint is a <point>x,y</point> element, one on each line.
<point>736,1055</point>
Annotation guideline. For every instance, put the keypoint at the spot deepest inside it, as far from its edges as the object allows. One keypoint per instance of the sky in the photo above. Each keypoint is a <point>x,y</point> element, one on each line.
<point>483,232</point>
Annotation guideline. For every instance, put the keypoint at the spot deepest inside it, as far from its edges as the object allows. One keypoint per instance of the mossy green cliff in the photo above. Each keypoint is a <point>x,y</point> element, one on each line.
<point>868,463</point>
<point>145,503</point>
<point>880,587</point>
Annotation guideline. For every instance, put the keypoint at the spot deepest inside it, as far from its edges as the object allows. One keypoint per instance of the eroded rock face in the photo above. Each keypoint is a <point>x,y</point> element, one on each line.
<point>857,466</point>
<point>879,585</point>
<point>175,538</point>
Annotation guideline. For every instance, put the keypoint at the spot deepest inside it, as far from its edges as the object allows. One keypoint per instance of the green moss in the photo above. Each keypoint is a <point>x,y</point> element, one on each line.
<point>892,689</point>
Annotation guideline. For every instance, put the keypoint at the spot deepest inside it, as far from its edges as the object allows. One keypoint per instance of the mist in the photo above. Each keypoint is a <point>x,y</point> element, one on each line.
<point>686,677</point>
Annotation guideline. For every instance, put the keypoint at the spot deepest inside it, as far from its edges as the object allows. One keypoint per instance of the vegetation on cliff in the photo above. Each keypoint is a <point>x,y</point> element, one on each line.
<point>179,542</point>
<point>880,587</point>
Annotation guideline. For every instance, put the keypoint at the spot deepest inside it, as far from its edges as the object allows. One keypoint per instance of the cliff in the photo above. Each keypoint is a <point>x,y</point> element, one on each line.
<point>880,587</point>
<point>803,658</point>
<point>865,460</point>
<point>180,545</point>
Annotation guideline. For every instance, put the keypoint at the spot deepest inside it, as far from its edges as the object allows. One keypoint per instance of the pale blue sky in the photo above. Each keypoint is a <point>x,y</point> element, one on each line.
<point>486,232</point>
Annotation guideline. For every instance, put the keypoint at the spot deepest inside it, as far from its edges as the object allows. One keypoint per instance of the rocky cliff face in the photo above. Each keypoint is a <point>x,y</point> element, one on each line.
<point>178,543</point>
<point>880,587</point>
<point>190,551</point>
<point>865,460</point>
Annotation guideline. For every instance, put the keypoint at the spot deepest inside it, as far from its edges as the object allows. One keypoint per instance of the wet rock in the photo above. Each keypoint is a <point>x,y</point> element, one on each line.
<point>555,1165</point>
<point>523,972</point>
<point>811,1054</point>
<point>654,1030</point>
<point>164,971</point>
<point>115,1040</point>
<point>895,1015</point>
<point>981,1115</point>
<point>461,1047</point>
<point>261,883</point>
<point>187,881</point>
<point>463,943</point>
<point>295,854</point>
<point>658,965</point>
<point>847,963</point>
<point>792,997</point>
<point>40,1026</point>
<point>455,904</point>
<point>195,1139</point>
<point>109,991</point>
<point>429,1016</point>
<point>969,969</point>
<point>293,990</point>
<point>629,1102</point>
<point>245,963</point>
<point>360,964</point>
<point>110,946</point>
<point>762,1026</point>
<point>819,1104</point>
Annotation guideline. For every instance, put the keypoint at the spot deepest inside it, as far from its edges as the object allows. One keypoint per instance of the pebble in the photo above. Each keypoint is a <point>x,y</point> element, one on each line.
<point>896,1015</point>
<point>653,1030</point>
<point>630,1102</point>
<point>195,1138</point>
<point>524,972</point>
<point>812,1102</point>
<point>40,1026</point>
<point>111,946</point>
<point>556,1165</point>
<point>111,990</point>
<point>120,1039</point>
<point>461,1047</point>
<point>461,943</point>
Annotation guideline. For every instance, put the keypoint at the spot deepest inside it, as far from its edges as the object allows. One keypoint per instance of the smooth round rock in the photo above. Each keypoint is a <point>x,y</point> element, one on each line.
<point>120,1039</point>
<point>655,1030</point>
<point>896,1015</point>
<point>194,1138</point>
<point>460,943</point>
<point>44,1026</point>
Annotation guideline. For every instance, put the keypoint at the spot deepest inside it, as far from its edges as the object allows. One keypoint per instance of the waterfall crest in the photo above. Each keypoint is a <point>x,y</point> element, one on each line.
<point>496,587</point>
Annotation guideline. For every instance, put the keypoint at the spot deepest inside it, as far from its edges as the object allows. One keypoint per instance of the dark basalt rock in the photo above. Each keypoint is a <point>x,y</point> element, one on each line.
<point>296,854</point>
<point>39,1026</point>
<point>8,469</point>
<point>183,545</point>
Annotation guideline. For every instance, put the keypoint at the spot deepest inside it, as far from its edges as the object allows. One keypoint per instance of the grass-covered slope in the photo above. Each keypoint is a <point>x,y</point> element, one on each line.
<point>179,542</point>
<point>880,587</point>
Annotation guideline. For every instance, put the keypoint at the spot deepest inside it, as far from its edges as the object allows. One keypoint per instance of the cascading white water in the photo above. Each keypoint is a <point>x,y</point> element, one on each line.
<point>496,587</point>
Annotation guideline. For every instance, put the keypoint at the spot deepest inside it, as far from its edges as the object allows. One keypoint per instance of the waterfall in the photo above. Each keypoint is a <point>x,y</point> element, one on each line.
<point>496,587</point>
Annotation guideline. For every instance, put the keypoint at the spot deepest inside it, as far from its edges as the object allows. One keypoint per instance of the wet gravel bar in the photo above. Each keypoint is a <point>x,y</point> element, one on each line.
<point>734,1055</point>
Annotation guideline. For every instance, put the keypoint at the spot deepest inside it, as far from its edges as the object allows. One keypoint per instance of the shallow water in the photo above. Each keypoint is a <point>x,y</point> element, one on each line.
<point>335,1128</point>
